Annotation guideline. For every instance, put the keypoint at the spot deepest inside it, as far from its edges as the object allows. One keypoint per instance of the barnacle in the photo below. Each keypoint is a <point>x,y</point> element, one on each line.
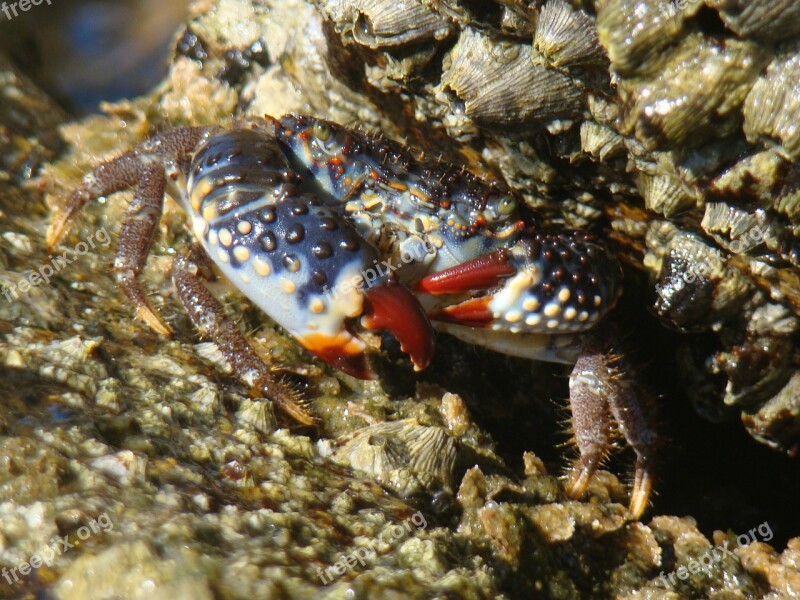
<point>664,193</point>
<point>498,84</point>
<point>566,36</point>
<point>636,33</point>
<point>702,85</point>
<point>768,20</point>
<point>403,455</point>
<point>772,108</point>
<point>601,141</point>
<point>380,24</point>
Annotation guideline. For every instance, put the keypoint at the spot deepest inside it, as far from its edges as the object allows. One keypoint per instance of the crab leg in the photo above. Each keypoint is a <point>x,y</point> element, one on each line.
<point>208,315</point>
<point>145,168</point>
<point>122,173</point>
<point>135,240</point>
<point>590,385</point>
<point>630,410</point>
<point>595,389</point>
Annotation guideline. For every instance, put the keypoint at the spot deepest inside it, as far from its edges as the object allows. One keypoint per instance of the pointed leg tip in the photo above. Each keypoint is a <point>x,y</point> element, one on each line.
<point>154,321</point>
<point>640,495</point>
<point>577,483</point>
<point>55,233</point>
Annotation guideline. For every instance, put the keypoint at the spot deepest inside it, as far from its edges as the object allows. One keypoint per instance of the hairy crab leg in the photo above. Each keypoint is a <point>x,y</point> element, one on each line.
<point>630,410</point>
<point>596,388</point>
<point>208,315</point>
<point>135,240</point>
<point>590,385</point>
<point>145,167</point>
<point>122,173</point>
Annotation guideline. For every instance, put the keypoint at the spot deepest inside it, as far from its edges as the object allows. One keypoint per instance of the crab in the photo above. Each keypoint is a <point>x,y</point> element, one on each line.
<point>327,228</point>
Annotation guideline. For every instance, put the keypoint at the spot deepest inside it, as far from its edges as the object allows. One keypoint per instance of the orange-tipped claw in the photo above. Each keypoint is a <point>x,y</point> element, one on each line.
<point>342,351</point>
<point>474,312</point>
<point>396,310</point>
<point>479,273</point>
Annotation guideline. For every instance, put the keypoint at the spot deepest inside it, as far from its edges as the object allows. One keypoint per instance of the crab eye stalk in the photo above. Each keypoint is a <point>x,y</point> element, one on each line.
<point>500,207</point>
<point>506,206</point>
<point>322,131</point>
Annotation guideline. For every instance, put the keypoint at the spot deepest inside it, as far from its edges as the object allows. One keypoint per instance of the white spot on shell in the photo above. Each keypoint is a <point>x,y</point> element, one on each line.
<point>552,309</point>
<point>261,267</point>
<point>288,286</point>
<point>530,304</point>
<point>225,237</point>
<point>241,253</point>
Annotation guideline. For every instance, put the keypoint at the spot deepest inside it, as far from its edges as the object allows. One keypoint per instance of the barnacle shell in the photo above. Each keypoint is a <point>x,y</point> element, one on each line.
<point>664,194</point>
<point>258,414</point>
<point>777,422</point>
<point>403,455</point>
<point>745,229</point>
<point>636,32</point>
<point>600,141</point>
<point>391,71</point>
<point>787,201</point>
<point>565,36</point>
<point>772,108</point>
<point>379,24</point>
<point>756,177</point>
<point>704,82</point>
<point>499,85</point>
<point>763,19</point>
<point>756,368</point>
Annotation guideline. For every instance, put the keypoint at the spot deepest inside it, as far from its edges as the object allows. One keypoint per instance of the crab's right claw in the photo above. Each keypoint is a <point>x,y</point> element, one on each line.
<point>386,308</point>
<point>396,310</point>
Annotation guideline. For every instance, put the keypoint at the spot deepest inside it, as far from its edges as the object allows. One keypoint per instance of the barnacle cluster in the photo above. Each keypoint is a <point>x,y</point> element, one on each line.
<point>592,110</point>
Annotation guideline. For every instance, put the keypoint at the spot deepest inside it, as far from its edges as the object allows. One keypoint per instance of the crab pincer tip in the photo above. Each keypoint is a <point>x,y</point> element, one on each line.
<point>396,310</point>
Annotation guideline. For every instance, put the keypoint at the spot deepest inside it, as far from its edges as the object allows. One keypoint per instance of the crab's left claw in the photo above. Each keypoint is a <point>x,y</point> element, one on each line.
<point>343,351</point>
<point>550,282</point>
<point>396,310</point>
<point>479,273</point>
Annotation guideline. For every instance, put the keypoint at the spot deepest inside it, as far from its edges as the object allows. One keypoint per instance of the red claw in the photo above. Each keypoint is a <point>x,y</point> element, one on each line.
<point>396,310</point>
<point>477,274</point>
